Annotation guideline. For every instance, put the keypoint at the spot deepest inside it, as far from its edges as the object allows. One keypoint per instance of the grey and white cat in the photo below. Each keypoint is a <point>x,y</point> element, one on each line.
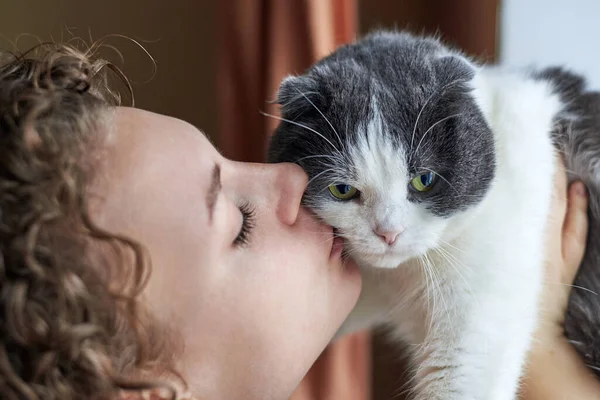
<point>438,173</point>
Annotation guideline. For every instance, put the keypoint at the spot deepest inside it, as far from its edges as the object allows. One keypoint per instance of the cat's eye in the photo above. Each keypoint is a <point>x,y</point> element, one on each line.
<point>343,191</point>
<point>423,182</point>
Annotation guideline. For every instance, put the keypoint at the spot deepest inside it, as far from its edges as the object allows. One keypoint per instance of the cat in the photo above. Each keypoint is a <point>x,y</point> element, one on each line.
<point>438,173</point>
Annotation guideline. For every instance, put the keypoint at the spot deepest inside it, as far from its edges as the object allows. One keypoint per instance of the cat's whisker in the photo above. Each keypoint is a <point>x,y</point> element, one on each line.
<point>319,174</point>
<point>329,157</point>
<point>417,123</point>
<point>578,287</point>
<point>575,342</point>
<point>421,112</point>
<point>297,97</point>
<point>404,389</point>
<point>447,257</point>
<point>445,243</point>
<point>327,240</point>
<point>437,286</point>
<point>335,176</point>
<point>441,177</point>
<point>446,311</point>
<point>407,388</point>
<point>333,182</point>
<point>353,244</point>
<point>438,274</point>
<point>350,251</point>
<point>324,117</point>
<point>431,129</point>
<point>427,291</point>
<point>289,121</point>
<point>452,256</point>
<point>593,367</point>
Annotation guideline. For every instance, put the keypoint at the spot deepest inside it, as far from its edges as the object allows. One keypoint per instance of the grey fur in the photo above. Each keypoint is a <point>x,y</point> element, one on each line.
<point>404,73</point>
<point>381,66</point>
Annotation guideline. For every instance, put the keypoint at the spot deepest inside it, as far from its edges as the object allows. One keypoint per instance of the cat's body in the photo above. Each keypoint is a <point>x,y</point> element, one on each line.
<point>455,270</point>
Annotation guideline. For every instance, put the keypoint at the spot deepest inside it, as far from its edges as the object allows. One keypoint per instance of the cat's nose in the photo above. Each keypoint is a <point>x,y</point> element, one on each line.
<point>388,236</point>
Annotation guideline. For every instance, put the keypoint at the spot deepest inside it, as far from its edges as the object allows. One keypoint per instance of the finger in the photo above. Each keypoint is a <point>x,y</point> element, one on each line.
<point>560,188</point>
<point>575,230</point>
<point>558,207</point>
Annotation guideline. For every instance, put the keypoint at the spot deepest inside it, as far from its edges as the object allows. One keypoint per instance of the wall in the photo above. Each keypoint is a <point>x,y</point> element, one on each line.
<point>468,24</point>
<point>178,34</point>
<point>543,32</point>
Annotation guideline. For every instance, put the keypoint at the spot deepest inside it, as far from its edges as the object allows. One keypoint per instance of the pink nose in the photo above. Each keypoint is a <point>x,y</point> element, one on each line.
<point>387,236</point>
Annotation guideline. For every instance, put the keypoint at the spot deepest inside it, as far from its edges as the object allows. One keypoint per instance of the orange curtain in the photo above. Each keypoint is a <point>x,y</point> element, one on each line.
<point>262,41</point>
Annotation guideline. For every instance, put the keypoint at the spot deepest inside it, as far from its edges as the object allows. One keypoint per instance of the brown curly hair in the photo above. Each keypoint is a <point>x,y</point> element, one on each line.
<point>65,331</point>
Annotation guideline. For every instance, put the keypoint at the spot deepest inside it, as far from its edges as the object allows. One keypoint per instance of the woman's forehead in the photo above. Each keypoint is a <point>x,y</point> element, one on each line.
<point>139,133</point>
<point>150,155</point>
<point>134,121</point>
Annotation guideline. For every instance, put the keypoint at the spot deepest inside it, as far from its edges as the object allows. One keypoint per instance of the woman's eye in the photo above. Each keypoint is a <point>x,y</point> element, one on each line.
<point>248,223</point>
<point>424,182</point>
<point>343,191</point>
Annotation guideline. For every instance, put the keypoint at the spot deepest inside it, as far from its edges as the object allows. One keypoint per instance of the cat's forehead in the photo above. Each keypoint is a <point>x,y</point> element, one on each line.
<point>401,72</point>
<point>378,156</point>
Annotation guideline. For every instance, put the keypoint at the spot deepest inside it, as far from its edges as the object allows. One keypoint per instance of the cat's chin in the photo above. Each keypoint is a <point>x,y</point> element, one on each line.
<point>383,261</point>
<point>391,258</point>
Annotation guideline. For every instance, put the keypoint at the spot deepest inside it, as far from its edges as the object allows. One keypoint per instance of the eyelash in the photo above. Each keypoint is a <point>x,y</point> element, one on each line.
<point>248,220</point>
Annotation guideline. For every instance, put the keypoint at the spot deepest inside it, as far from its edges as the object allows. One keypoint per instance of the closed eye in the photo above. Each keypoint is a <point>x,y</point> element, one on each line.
<point>248,223</point>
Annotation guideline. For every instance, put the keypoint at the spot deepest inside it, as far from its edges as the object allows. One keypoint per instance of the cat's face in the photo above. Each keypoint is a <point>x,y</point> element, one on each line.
<point>393,142</point>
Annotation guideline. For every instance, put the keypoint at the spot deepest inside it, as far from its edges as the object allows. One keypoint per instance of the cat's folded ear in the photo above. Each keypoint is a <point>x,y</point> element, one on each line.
<point>454,68</point>
<point>300,96</point>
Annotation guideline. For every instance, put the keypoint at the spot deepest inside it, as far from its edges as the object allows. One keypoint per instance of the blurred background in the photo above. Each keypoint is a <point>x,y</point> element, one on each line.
<point>217,63</point>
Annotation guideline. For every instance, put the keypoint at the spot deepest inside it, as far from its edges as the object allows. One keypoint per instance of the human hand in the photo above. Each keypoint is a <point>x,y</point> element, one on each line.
<point>566,240</point>
<point>554,368</point>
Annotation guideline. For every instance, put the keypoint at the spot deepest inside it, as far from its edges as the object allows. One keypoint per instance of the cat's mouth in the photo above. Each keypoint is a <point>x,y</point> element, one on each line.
<point>387,258</point>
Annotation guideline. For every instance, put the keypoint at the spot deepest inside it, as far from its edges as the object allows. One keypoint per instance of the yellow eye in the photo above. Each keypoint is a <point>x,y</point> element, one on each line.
<point>343,191</point>
<point>423,182</point>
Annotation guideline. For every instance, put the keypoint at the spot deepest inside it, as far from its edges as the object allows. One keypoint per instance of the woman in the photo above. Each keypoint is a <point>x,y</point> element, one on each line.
<point>246,288</point>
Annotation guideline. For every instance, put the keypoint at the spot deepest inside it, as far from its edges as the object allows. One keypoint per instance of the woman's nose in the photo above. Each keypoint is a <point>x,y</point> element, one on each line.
<point>289,185</point>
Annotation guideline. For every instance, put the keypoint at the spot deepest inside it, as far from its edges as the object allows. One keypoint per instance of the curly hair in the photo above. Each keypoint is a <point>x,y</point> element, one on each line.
<point>65,332</point>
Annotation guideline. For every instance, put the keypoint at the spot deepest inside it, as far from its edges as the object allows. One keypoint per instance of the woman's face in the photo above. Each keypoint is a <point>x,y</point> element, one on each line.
<point>249,281</point>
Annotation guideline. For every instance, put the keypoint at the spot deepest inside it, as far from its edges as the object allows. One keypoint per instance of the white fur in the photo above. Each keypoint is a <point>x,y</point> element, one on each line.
<point>467,298</point>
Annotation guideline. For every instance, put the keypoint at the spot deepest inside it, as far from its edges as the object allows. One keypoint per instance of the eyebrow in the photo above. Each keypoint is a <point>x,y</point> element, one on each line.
<point>213,190</point>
